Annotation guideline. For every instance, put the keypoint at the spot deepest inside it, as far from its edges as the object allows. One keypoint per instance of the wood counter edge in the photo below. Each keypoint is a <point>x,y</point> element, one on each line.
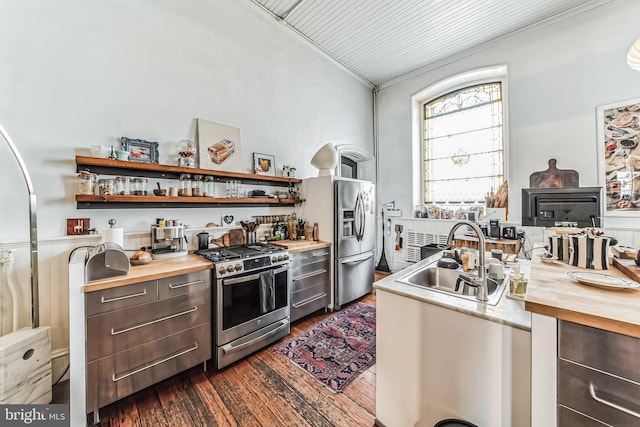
<point>583,318</point>
<point>295,246</point>
<point>197,265</point>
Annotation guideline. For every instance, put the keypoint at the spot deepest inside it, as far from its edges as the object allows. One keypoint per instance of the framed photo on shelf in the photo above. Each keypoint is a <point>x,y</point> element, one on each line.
<point>140,150</point>
<point>264,164</point>
<point>619,156</point>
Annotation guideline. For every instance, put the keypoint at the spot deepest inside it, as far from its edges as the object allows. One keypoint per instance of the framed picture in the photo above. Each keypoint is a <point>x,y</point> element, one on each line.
<point>219,146</point>
<point>264,164</point>
<point>140,150</point>
<point>619,156</point>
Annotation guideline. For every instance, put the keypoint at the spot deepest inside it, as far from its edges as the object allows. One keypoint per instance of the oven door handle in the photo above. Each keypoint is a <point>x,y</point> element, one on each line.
<point>236,280</point>
<point>230,348</point>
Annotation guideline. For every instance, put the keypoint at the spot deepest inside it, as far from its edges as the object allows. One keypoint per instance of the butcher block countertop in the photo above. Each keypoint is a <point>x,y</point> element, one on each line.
<point>552,293</point>
<point>156,269</point>
<point>295,246</point>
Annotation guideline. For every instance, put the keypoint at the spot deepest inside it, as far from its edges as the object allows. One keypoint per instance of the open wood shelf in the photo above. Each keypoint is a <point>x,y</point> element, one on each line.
<point>137,202</point>
<point>151,170</point>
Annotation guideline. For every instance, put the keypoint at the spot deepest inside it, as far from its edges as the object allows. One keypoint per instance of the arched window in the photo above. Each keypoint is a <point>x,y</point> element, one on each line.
<point>463,143</point>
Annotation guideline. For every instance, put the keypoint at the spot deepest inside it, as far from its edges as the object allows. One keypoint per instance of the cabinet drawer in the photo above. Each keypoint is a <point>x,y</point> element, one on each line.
<point>183,284</point>
<point>313,279</point>
<point>121,297</point>
<point>122,329</point>
<point>122,374</point>
<point>603,350</point>
<point>311,256</point>
<point>308,293</point>
<point>570,418</point>
<point>607,398</point>
<point>307,306</point>
<point>313,268</point>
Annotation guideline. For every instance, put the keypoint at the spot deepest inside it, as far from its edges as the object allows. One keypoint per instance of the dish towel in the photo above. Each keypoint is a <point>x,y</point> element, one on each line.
<point>267,291</point>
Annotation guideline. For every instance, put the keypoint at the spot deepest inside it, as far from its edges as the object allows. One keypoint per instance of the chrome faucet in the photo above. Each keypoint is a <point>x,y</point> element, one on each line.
<point>479,281</point>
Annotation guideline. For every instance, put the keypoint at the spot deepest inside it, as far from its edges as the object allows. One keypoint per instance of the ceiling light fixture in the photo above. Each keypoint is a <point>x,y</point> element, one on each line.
<point>633,57</point>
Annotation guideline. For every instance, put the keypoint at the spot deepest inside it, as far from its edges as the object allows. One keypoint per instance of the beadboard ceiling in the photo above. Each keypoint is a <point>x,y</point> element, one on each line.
<point>380,40</point>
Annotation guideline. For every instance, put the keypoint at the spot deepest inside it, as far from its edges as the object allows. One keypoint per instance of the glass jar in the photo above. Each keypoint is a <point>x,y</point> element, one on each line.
<point>186,153</point>
<point>185,185</point>
<point>106,187</point>
<point>139,186</point>
<point>122,186</point>
<point>208,187</point>
<point>87,183</point>
<point>196,186</point>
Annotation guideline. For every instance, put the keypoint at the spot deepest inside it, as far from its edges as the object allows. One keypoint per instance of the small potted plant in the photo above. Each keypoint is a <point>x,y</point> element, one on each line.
<point>186,154</point>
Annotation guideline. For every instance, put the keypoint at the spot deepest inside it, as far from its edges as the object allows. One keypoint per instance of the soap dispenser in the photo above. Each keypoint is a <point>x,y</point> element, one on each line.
<point>517,283</point>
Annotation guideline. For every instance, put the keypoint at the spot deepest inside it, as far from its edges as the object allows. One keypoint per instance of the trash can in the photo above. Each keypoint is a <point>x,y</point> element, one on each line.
<point>454,423</point>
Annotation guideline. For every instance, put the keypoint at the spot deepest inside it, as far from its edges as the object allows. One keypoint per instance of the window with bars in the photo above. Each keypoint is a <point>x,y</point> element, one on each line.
<point>463,145</point>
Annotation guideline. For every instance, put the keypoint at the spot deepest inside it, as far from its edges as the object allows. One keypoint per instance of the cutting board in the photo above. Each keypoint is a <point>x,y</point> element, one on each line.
<point>236,237</point>
<point>628,267</point>
<point>554,177</point>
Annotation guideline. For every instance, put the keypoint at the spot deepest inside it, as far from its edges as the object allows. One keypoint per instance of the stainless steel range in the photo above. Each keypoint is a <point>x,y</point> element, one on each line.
<point>251,298</point>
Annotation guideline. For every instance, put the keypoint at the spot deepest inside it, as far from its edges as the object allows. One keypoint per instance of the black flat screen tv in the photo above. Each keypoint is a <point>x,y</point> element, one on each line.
<point>562,207</point>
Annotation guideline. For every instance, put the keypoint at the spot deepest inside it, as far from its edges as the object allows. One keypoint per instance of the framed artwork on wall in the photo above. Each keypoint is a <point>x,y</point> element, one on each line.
<point>219,146</point>
<point>140,150</point>
<point>264,164</point>
<point>619,156</point>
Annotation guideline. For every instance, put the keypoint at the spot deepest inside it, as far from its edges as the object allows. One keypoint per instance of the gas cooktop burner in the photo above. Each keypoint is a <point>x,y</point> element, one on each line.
<point>238,252</point>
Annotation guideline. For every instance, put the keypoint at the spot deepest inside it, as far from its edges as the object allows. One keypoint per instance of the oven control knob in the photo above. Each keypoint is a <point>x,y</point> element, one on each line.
<point>222,270</point>
<point>274,259</point>
<point>230,269</point>
<point>238,267</point>
<point>280,257</point>
<point>286,256</point>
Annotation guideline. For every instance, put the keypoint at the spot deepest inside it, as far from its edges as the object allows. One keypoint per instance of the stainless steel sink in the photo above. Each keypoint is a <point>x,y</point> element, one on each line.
<point>447,281</point>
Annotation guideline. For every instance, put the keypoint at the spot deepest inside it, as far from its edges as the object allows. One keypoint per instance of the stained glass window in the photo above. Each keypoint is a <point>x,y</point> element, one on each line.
<point>463,145</point>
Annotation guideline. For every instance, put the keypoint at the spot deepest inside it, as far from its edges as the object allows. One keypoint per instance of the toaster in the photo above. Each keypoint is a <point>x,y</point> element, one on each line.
<point>509,232</point>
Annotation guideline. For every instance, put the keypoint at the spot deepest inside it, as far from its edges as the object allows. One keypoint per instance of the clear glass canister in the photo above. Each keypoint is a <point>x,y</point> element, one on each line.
<point>208,187</point>
<point>196,186</point>
<point>87,183</point>
<point>139,186</point>
<point>122,186</point>
<point>106,187</point>
<point>185,185</point>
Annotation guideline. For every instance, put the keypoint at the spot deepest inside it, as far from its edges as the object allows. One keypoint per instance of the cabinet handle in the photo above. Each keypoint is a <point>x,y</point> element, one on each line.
<point>142,325</point>
<point>156,363</point>
<point>592,391</point>
<point>313,273</point>
<point>195,282</point>
<point>139,294</point>
<point>230,348</point>
<point>308,300</point>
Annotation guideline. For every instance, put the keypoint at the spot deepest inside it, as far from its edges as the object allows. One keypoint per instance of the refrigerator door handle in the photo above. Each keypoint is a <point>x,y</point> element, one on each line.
<point>363,214</point>
<point>356,218</point>
<point>359,214</point>
<point>357,260</point>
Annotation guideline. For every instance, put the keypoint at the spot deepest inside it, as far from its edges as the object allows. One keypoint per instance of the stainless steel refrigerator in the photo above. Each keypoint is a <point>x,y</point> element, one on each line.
<point>345,212</point>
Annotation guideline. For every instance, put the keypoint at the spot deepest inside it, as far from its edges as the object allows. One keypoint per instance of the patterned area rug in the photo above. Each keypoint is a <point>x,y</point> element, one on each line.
<point>338,349</point>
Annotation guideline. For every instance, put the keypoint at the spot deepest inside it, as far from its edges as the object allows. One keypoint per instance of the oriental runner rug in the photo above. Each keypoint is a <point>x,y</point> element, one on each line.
<point>336,350</point>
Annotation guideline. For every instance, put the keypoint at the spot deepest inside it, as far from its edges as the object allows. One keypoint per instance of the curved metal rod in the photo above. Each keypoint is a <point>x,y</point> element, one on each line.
<point>33,230</point>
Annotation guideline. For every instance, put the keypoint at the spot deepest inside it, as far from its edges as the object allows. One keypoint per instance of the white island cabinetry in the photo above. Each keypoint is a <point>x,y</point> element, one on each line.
<point>434,363</point>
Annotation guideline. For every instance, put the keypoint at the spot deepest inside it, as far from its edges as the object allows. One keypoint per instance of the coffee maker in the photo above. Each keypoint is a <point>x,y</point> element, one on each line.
<point>167,242</point>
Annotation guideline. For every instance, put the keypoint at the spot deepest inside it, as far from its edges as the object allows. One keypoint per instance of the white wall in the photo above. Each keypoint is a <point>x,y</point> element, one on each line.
<point>557,76</point>
<point>76,73</point>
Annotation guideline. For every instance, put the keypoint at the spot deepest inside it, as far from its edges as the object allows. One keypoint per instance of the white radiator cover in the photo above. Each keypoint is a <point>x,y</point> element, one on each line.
<point>417,239</point>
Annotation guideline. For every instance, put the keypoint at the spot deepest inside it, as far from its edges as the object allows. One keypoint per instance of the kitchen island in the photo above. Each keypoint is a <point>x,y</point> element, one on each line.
<point>602,322</point>
<point>440,356</point>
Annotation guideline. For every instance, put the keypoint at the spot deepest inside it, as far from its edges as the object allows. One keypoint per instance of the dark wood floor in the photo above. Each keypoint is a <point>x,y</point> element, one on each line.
<point>264,389</point>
